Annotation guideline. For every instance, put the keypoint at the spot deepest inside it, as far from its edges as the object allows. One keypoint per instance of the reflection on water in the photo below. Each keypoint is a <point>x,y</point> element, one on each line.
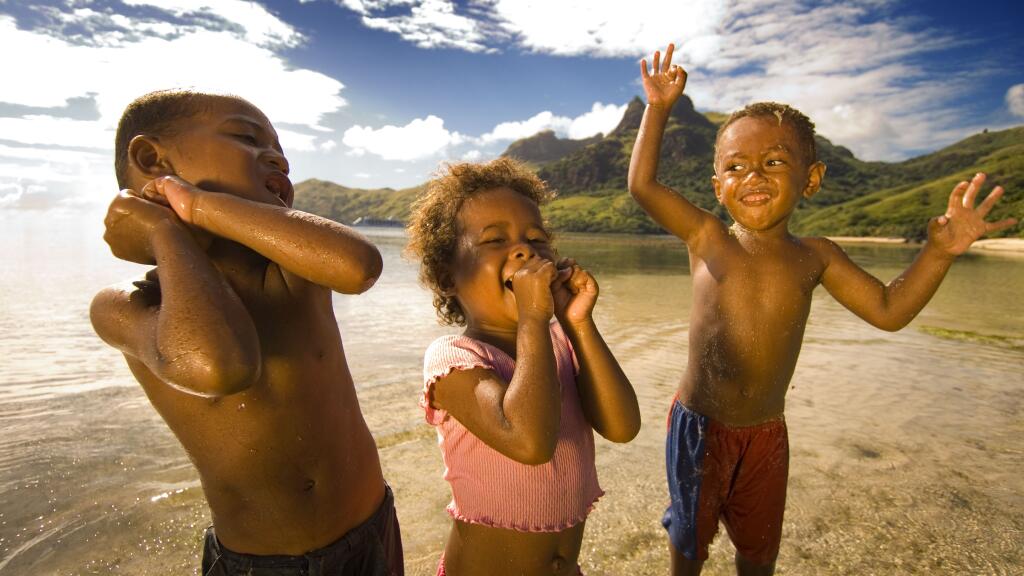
<point>906,447</point>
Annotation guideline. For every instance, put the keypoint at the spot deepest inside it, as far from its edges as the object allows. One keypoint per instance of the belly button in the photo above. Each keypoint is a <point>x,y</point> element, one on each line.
<point>557,565</point>
<point>309,485</point>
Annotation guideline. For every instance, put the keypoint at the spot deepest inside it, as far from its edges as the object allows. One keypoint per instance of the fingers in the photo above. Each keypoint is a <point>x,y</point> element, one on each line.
<point>1000,225</point>
<point>668,58</point>
<point>656,64</point>
<point>956,198</point>
<point>643,69</point>
<point>973,189</point>
<point>990,201</point>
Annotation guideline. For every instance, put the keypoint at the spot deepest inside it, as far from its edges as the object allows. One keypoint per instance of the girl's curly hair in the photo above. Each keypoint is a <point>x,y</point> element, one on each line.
<point>433,226</point>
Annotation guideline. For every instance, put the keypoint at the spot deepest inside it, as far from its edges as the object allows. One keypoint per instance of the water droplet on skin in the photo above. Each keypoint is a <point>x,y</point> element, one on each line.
<point>241,406</point>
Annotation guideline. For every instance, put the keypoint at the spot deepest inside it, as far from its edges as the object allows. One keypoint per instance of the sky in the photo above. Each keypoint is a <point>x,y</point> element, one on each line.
<point>377,93</point>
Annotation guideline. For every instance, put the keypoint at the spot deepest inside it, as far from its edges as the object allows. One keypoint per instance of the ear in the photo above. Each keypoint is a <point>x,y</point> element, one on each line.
<point>815,176</point>
<point>717,184</point>
<point>147,155</point>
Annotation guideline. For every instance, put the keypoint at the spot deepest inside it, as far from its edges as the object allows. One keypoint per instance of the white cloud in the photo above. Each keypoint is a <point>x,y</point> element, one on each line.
<point>427,23</point>
<point>328,145</point>
<point>472,155</point>
<point>611,29</point>
<point>362,175</point>
<point>1015,99</point>
<point>260,26</point>
<point>601,118</point>
<point>232,53</point>
<point>419,139</point>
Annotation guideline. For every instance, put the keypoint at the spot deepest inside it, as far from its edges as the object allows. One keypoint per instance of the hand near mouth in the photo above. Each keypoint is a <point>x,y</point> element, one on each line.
<point>575,295</point>
<point>532,286</point>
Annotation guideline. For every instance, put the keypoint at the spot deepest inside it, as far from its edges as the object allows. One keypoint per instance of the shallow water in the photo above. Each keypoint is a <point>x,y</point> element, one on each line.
<point>906,450</point>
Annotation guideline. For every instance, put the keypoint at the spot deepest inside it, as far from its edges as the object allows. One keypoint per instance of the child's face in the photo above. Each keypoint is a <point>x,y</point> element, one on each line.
<point>232,148</point>
<point>760,172</point>
<point>499,229</point>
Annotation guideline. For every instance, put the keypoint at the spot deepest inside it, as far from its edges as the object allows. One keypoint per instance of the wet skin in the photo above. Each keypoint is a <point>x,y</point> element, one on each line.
<point>753,281</point>
<point>233,336</point>
<point>508,285</point>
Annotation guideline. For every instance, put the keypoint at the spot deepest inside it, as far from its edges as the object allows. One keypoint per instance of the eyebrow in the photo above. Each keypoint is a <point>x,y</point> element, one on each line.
<point>256,126</point>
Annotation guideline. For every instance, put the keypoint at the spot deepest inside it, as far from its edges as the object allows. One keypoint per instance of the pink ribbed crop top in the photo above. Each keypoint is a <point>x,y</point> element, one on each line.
<point>492,489</point>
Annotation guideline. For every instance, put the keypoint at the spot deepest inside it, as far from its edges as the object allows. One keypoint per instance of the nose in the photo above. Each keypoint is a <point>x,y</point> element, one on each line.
<point>522,251</point>
<point>276,160</point>
<point>754,175</point>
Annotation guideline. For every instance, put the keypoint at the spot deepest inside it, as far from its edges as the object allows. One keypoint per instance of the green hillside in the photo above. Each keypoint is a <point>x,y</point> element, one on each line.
<point>858,198</point>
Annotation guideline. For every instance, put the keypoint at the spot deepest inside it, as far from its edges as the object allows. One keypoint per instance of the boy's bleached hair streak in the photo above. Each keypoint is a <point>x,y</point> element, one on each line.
<point>802,126</point>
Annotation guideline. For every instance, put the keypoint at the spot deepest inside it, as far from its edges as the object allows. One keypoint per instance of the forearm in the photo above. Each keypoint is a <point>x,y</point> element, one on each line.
<point>643,163</point>
<point>607,397</point>
<point>317,249</point>
<point>532,401</point>
<point>205,338</point>
<point>908,294</point>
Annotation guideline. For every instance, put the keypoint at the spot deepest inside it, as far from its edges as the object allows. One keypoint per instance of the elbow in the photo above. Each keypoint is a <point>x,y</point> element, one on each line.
<point>537,452</point>
<point>624,432</point>
<point>365,275</point>
<point>214,377</point>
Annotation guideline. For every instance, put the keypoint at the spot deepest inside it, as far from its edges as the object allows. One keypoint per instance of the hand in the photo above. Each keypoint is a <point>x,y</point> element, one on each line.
<point>180,196</point>
<point>576,294</point>
<point>962,224</point>
<point>175,193</point>
<point>666,84</point>
<point>532,286</point>
<point>130,223</point>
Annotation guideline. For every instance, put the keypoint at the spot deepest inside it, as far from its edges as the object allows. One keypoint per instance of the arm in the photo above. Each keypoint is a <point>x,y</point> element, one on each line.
<point>519,418</point>
<point>893,306</point>
<point>606,395</point>
<point>669,209</point>
<point>187,326</point>
<point>316,249</point>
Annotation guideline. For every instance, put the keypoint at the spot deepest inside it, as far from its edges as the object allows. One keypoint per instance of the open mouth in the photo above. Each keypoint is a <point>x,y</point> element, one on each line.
<point>755,198</point>
<point>508,284</point>
<point>279,185</point>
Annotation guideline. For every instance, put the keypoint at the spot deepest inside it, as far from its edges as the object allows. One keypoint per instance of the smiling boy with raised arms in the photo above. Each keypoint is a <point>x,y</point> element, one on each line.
<point>727,450</point>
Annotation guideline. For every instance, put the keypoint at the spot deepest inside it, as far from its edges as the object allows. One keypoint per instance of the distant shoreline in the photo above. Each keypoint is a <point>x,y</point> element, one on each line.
<point>867,240</point>
<point>1000,245</point>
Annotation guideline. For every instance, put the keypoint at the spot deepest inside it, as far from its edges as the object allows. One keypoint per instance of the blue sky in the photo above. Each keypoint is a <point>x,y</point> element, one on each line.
<point>375,93</point>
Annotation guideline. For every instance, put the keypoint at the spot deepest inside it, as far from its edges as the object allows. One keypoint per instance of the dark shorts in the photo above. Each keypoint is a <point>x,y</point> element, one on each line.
<point>374,548</point>
<point>736,474</point>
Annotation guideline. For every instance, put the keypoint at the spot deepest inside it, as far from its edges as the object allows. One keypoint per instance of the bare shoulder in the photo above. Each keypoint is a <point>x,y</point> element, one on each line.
<point>118,310</point>
<point>823,248</point>
<point>460,391</point>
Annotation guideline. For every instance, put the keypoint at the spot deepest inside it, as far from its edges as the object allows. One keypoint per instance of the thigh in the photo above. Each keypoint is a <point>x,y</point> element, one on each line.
<point>757,502</point>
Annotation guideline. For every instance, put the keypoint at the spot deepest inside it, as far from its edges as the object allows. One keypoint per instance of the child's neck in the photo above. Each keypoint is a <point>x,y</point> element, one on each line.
<point>749,238</point>
<point>502,338</point>
<point>234,260</point>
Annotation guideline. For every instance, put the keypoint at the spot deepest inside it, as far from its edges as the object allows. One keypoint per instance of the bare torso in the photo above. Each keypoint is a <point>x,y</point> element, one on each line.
<point>750,306</point>
<point>475,549</point>
<point>289,464</point>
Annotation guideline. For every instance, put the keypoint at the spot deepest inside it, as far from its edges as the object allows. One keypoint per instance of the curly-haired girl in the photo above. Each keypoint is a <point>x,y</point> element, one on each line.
<point>515,397</point>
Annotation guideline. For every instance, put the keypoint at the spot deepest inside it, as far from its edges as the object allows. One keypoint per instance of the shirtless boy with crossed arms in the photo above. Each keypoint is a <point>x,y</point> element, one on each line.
<point>233,338</point>
<point>727,450</point>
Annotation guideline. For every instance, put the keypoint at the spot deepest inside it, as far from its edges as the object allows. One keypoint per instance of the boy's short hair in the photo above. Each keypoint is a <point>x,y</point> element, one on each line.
<point>158,114</point>
<point>433,225</point>
<point>802,126</point>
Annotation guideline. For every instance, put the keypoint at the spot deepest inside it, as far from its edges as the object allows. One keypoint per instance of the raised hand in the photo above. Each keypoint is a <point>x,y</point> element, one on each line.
<point>130,223</point>
<point>575,295</point>
<point>962,224</point>
<point>666,82</point>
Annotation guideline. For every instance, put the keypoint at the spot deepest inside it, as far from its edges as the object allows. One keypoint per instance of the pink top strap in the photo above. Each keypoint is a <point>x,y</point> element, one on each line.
<point>490,488</point>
